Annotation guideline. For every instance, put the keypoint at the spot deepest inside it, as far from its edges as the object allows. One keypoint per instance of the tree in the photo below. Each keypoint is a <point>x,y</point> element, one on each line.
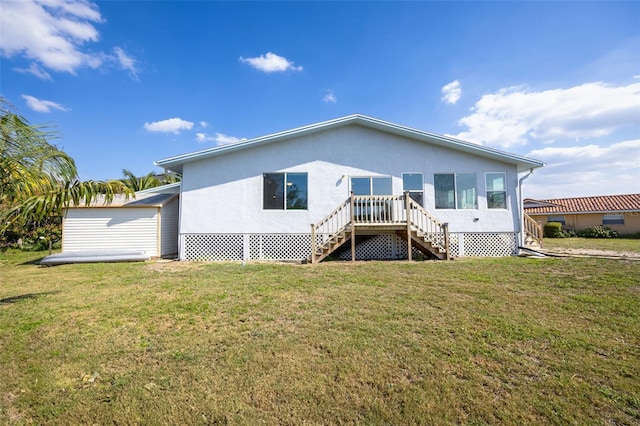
<point>37,180</point>
<point>136,184</point>
<point>150,180</point>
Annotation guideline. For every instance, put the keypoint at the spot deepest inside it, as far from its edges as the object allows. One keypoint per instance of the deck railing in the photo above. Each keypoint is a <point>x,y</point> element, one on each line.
<point>379,211</point>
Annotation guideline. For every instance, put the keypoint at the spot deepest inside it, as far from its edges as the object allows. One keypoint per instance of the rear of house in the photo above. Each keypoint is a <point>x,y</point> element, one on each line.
<point>620,213</point>
<point>259,198</point>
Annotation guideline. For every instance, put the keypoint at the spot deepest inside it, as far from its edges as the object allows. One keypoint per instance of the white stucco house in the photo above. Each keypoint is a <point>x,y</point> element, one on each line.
<point>288,195</point>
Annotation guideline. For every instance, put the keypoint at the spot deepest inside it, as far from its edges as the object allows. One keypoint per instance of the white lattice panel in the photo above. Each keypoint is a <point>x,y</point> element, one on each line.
<point>377,247</point>
<point>279,246</point>
<point>218,247</point>
<point>489,244</point>
<point>208,247</point>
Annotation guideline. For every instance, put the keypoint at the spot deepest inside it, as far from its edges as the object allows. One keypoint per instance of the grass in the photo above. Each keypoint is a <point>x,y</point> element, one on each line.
<point>613,244</point>
<point>473,341</point>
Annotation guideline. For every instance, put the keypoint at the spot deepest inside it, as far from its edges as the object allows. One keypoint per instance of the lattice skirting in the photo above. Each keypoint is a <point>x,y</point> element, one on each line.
<point>494,244</point>
<point>296,247</point>
<point>217,247</point>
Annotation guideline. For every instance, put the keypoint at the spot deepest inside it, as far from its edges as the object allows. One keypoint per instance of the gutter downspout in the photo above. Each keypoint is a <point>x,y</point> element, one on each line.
<point>521,207</point>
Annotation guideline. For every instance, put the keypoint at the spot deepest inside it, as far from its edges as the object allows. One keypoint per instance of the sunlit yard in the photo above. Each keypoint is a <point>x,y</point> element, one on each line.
<point>615,244</point>
<point>473,341</point>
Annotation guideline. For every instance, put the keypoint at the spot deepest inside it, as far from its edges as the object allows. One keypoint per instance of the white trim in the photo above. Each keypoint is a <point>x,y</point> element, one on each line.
<point>455,191</point>
<point>505,190</point>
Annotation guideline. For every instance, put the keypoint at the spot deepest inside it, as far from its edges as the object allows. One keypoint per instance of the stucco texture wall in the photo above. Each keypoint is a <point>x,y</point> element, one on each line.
<point>223,194</point>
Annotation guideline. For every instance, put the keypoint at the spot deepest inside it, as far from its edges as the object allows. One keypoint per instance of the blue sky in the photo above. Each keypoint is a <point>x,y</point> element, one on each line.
<point>130,82</point>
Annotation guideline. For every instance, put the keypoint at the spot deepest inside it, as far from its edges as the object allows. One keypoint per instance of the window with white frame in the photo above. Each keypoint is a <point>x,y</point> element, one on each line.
<point>284,191</point>
<point>613,219</point>
<point>496,185</point>
<point>414,183</point>
<point>371,185</point>
<point>455,190</point>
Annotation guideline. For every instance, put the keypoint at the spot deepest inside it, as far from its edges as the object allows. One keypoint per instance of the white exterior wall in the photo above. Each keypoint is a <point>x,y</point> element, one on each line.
<point>223,194</point>
<point>169,228</point>
<point>111,228</point>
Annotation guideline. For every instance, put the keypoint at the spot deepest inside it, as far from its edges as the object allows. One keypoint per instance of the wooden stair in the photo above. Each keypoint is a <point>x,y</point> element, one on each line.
<point>331,245</point>
<point>374,215</point>
<point>426,245</point>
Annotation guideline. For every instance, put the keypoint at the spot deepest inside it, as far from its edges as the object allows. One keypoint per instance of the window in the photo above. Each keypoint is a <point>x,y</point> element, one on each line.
<point>368,210</point>
<point>496,190</point>
<point>371,185</point>
<point>455,190</point>
<point>284,191</point>
<point>613,219</point>
<point>413,182</point>
<point>559,219</point>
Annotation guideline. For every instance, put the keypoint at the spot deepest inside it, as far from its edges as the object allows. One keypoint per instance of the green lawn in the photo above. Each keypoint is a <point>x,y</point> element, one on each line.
<point>472,341</point>
<point>613,244</point>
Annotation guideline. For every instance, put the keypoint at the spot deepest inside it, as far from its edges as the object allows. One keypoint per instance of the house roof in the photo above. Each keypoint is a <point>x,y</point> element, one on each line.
<point>141,200</point>
<point>598,204</point>
<point>169,188</point>
<point>523,163</point>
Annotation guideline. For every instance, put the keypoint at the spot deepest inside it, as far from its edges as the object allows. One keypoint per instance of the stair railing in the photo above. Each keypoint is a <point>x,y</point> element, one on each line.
<point>533,229</point>
<point>427,226</point>
<point>332,224</point>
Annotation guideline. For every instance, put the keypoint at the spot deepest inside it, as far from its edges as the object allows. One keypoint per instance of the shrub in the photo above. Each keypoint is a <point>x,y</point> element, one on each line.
<point>598,232</point>
<point>552,230</point>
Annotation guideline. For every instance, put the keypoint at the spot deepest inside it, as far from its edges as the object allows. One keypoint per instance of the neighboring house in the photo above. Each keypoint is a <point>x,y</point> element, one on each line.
<point>287,195</point>
<point>148,222</point>
<point>621,213</point>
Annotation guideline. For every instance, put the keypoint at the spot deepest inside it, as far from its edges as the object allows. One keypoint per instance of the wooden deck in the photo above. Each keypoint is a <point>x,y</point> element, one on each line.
<point>375,215</point>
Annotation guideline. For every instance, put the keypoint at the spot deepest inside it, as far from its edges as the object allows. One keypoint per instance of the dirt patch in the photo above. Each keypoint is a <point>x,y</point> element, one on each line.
<point>630,255</point>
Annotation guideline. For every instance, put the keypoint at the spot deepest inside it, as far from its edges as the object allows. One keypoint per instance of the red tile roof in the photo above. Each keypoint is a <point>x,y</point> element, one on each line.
<point>600,204</point>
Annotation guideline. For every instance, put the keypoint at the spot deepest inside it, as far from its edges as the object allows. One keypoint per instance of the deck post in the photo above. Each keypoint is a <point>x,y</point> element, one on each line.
<point>407,212</point>
<point>313,242</point>
<point>353,228</point>
<point>445,229</point>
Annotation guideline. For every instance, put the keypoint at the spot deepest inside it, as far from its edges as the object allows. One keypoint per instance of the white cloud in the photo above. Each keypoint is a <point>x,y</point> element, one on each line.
<point>53,34</point>
<point>36,70</point>
<point>204,124</point>
<point>330,97</point>
<point>515,116</point>
<point>126,62</point>
<point>270,62</point>
<point>452,92</point>
<point>40,105</point>
<point>171,125</point>
<point>218,138</point>
<point>586,170</point>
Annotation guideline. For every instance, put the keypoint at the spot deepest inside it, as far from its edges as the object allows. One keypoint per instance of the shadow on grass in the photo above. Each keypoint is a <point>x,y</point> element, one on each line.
<point>34,261</point>
<point>28,296</point>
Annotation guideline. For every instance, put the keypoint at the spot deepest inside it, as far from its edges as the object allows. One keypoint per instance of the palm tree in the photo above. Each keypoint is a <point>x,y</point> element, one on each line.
<point>37,180</point>
<point>150,180</point>
<point>136,184</point>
